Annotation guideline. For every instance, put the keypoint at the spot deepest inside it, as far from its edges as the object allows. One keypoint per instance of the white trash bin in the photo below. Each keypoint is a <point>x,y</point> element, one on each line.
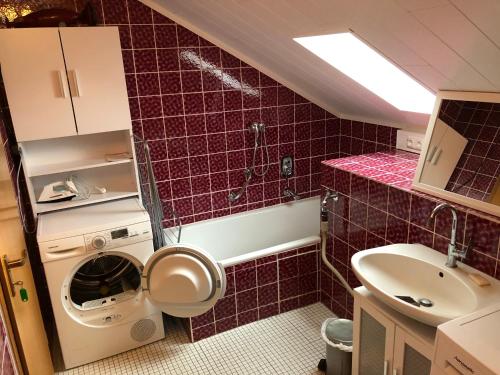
<point>337,333</point>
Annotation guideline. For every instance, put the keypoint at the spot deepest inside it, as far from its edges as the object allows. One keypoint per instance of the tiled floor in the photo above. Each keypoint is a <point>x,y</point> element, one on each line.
<point>284,344</point>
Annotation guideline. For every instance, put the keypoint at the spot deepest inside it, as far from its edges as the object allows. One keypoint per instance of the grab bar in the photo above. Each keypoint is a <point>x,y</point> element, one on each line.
<point>173,234</point>
<point>235,196</point>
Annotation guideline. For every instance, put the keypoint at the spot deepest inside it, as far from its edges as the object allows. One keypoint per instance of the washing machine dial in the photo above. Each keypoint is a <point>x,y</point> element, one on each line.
<point>98,242</point>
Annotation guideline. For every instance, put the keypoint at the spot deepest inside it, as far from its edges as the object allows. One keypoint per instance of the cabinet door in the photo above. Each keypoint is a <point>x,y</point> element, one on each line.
<point>444,153</point>
<point>373,341</point>
<point>411,356</point>
<point>97,78</point>
<point>35,80</point>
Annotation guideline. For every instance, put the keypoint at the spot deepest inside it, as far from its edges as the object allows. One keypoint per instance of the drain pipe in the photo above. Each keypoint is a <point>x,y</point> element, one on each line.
<point>330,195</point>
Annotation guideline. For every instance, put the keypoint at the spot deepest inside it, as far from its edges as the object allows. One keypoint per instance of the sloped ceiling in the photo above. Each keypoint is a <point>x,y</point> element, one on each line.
<point>445,44</point>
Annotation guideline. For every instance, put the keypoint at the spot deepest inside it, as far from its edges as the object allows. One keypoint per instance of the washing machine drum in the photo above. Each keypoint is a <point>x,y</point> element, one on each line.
<point>183,280</point>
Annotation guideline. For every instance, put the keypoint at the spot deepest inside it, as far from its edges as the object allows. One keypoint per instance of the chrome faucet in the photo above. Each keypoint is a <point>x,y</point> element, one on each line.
<point>329,195</point>
<point>453,254</point>
<point>289,193</point>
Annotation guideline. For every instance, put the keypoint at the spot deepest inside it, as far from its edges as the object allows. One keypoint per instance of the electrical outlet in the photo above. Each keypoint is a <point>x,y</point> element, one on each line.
<point>409,141</point>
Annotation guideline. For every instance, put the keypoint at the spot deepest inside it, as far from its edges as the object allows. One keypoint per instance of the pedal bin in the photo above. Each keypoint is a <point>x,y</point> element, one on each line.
<point>337,334</point>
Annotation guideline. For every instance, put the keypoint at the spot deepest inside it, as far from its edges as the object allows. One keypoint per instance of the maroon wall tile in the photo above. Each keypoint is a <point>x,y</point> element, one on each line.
<point>478,167</point>
<point>245,301</point>
<point>197,123</point>
<point>179,101</point>
<point>203,332</point>
<point>226,324</point>
<point>225,307</point>
<point>394,214</point>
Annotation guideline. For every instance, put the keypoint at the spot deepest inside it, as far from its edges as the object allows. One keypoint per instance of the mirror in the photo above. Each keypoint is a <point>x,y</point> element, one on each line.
<point>460,158</point>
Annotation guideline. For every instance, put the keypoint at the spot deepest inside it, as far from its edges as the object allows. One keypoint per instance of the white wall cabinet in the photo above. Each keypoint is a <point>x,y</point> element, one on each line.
<point>445,150</point>
<point>96,77</point>
<point>387,342</point>
<point>34,75</point>
<point>64,81</point>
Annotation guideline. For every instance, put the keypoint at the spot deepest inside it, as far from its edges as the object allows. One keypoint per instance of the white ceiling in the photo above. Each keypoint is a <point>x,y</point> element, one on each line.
<point>445,44</point>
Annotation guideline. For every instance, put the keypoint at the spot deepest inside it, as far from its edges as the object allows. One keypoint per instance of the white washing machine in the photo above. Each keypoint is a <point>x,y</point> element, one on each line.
<point>108,287</point>
<point>469,345</point>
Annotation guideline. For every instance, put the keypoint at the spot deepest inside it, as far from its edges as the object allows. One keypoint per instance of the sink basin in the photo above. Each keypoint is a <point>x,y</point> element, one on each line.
<point>418,272</point>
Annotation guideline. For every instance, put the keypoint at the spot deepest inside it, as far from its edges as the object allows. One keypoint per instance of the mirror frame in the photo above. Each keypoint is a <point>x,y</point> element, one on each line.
<point>489,97</point>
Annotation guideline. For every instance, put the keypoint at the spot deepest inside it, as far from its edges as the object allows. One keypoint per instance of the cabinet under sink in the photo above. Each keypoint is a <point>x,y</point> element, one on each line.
<point>388,342</point>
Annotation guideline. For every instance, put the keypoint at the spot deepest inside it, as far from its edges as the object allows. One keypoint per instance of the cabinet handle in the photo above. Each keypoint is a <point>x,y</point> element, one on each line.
<point>75,92</point>
<point>436,158</point>
<point>431,154</point>
<point>62,87</point>
<point>386,367</point>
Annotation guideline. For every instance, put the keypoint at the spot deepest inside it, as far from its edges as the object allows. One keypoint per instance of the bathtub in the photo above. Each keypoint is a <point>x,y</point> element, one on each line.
<point>249,235</point>
<point>271,260</point>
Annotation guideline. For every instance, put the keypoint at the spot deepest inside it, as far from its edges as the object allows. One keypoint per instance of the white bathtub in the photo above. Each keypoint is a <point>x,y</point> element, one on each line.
<point>240,237</point>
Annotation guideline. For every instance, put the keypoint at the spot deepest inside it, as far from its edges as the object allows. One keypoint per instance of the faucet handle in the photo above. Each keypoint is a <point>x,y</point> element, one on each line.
<point>464,252</point>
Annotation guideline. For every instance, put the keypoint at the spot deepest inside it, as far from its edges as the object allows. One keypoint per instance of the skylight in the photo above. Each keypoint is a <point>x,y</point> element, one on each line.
<point>370,69</point>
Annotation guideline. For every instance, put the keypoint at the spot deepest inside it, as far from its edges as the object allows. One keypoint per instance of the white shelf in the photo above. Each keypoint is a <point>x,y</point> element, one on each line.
<point>42,170</point>
<point>47,161</point>
<point>94,198</point>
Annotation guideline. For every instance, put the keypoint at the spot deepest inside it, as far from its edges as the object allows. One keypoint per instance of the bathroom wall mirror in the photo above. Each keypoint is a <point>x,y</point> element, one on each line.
<point>460,158</point>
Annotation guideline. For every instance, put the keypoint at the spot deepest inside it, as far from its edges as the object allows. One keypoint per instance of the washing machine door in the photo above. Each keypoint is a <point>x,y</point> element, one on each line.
<point>183,280</point>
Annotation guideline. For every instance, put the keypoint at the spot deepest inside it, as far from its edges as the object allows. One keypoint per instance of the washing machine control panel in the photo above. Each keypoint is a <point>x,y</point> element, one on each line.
<point>118,237</point>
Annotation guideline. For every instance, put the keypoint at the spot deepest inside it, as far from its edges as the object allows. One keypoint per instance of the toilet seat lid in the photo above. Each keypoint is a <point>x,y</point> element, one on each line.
<point>183,280</point>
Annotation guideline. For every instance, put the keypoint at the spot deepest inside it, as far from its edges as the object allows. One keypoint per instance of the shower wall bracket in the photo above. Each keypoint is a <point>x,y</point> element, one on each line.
<point>259,129</point>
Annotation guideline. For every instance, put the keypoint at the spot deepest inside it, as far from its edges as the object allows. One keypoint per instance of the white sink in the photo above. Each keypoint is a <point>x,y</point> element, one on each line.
<point>419,272</point>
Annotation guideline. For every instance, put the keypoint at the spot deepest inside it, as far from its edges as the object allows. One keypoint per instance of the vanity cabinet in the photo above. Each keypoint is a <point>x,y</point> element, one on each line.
<point>64,81</point>
<point>387,342</point>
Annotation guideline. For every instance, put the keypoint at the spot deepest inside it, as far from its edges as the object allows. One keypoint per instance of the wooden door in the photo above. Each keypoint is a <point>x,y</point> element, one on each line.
<point>97,78</point>
<point>25,331</point>
<point>35,80</point>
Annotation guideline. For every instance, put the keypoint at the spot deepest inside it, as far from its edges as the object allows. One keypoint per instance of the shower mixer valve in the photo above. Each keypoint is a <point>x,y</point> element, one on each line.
<point>287,172</point>
<point>287,166</point>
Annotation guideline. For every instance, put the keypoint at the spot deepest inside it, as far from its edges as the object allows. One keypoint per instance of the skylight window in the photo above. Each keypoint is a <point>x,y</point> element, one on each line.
<point>370,69</point>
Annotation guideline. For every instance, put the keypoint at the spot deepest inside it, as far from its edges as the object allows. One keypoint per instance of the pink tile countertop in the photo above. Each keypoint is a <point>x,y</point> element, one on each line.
<point>395,167</point>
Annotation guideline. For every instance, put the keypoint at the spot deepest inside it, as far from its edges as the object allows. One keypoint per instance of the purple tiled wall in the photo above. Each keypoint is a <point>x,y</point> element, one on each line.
<point>479,167</point>
<point>261,288</point>
<point>193,102</point>
<point>377,207</point>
